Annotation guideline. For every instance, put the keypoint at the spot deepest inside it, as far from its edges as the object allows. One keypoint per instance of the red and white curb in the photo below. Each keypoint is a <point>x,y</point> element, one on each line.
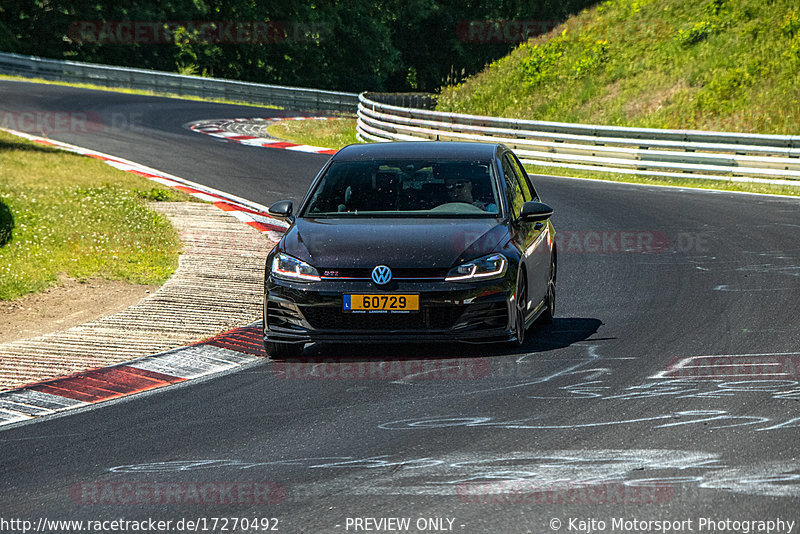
<point>218,128</point>
<point>250,213</point>
<point>228,351</point>
<point>225,352</point>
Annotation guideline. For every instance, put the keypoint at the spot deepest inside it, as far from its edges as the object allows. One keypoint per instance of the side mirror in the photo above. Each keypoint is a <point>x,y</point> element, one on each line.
<point>282,209</point>
<point>535,211</point>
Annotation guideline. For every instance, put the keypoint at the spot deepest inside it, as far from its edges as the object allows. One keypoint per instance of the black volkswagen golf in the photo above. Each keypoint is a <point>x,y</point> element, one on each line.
<point>418,241</point>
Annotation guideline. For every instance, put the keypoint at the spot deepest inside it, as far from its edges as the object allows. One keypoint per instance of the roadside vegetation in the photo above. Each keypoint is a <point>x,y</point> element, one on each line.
<point>356,45</point>
<point>331,133</point>
<point>710,64</point>
<point>65,214</point>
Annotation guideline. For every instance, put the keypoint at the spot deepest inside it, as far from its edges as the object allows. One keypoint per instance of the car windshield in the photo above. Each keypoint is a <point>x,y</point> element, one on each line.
<point>407,188</point>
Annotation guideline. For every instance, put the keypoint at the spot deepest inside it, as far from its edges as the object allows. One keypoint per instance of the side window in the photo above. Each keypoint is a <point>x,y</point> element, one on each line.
<point>514,192</point>
<point>527,188</point>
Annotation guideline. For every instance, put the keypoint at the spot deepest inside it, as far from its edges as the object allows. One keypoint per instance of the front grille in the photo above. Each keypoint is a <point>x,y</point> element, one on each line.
<point>330,318</point>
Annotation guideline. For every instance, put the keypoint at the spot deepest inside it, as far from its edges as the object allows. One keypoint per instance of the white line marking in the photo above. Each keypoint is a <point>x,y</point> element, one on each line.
<point>306,148</point>
<point>730,365</point>
<point>192,362</point>
<point>683,364</point>
<point>7,417</point>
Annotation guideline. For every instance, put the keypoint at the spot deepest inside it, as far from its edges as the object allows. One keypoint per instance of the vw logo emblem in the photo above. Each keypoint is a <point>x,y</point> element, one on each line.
<point>381,275</point>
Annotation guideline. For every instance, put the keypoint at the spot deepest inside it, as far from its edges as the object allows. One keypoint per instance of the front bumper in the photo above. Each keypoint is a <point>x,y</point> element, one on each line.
<point>449,311</point>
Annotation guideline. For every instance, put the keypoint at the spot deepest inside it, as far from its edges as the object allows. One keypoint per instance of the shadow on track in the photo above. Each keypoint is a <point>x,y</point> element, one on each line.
<point>562,333</point>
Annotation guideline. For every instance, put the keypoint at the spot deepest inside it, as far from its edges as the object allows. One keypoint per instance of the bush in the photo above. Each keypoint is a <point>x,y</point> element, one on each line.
<point>724,88</point>
<point>592,55</point>
<point>791,24</point>
<point>562,58</point>
<point>699,31</point>
<point>538,65</point>
<point>794,49</point>
<point>715,6</point>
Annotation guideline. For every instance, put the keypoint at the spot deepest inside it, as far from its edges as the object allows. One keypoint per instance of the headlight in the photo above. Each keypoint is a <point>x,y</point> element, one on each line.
<point>289,268</point>
<point>493,266</point>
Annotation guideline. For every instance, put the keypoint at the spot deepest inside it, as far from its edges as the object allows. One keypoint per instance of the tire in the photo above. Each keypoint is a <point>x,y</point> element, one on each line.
<point>550,309</point>
<point>283,350</point>
<point>520,305</point>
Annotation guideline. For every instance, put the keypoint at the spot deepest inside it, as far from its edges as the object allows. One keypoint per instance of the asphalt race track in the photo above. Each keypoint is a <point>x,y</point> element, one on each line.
<point>667,389</point>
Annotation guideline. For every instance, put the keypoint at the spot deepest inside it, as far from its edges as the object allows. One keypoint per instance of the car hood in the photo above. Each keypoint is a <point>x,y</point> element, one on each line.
<point>406,243</point>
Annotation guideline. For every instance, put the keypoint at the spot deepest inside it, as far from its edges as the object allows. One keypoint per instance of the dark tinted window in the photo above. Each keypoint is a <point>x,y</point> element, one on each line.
<point>405,187</point>
<point>514,191</point>
<point>527,188</point>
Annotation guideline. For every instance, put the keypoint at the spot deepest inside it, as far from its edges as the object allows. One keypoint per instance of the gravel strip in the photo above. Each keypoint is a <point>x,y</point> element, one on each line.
<point>218,286</point>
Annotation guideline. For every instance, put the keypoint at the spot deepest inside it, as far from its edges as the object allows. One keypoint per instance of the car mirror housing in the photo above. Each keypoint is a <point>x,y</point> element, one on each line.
<point>535,211</point>
<point>282,209</point>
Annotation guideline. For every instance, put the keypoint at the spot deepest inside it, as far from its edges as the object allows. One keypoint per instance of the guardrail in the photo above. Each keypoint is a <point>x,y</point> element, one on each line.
<point>167,82</point>
<point>391,117</point>
<point>675,153</point>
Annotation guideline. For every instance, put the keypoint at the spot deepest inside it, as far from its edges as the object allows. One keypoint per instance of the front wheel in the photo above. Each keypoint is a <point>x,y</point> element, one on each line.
<point>283,350</point>
<point>550,310</point>
<point>520,309</point>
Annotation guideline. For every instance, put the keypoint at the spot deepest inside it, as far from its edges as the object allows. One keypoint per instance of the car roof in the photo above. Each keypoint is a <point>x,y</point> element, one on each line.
<point>446,150</point>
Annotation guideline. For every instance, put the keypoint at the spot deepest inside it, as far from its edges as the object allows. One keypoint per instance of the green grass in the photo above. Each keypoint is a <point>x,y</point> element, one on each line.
<point>728,65</point>
<point>331,133</point>
<point>65,213</point>
<point>698,183</point>
<point>138,92</point>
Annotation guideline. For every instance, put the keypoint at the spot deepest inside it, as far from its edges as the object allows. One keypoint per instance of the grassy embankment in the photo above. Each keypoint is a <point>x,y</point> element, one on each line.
<point>65,214</point>
<point>709,65</point>
<point>331,133</point>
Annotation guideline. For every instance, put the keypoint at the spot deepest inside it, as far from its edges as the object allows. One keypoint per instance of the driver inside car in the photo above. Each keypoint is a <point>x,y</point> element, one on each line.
<point>460,190</point>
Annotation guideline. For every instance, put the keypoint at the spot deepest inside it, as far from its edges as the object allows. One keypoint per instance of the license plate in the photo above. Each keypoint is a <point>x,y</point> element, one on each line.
<point>390,303</point>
